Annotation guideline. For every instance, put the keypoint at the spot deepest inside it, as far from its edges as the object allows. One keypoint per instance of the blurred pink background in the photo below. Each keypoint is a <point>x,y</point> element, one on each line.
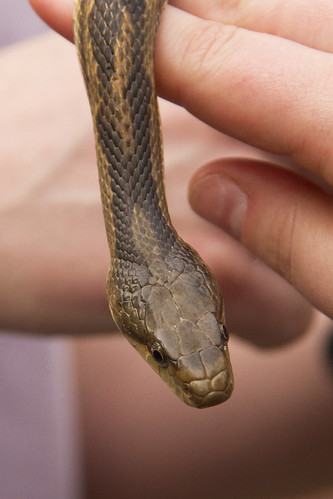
<point>38,431</point>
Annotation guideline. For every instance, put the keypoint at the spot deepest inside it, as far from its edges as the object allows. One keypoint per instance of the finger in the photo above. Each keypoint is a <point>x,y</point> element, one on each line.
<point>264,90</point>
<point>224,75</point>
<point>58,15</point>
<point>260,306</point>
<point>304,21</point>
<point>280,217</point>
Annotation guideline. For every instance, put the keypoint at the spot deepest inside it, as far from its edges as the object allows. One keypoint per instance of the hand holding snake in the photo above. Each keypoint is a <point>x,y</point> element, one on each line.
<point>280,107</point>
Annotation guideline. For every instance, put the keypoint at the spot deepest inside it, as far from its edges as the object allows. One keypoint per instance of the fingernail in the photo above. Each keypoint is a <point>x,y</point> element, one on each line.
<point>218,199</point>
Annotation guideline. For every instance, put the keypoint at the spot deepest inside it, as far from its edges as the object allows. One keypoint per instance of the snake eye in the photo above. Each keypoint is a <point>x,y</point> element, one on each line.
<point>158,354</point>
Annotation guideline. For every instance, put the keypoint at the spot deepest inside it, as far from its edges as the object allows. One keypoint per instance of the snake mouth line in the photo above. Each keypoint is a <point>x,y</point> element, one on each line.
<point>212,398</point>
<point>205,378</point>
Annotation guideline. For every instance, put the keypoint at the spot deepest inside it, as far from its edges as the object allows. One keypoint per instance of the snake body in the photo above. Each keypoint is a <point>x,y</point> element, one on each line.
<point>161,295</point>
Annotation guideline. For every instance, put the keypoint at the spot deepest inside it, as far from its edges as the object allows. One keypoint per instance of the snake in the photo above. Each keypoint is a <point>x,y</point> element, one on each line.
<point>162,296</point>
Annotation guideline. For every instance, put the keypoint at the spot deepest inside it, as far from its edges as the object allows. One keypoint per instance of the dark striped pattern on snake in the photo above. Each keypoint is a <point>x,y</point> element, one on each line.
<point>161,295</point>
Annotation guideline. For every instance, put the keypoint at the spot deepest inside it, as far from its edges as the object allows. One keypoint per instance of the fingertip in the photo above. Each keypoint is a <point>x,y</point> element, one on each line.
<point>217,198</point>
<point>287,221</point>
<point>58,15</point>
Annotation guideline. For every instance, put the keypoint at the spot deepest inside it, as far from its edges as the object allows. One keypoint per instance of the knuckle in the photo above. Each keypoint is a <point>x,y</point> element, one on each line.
<point>206,47</point>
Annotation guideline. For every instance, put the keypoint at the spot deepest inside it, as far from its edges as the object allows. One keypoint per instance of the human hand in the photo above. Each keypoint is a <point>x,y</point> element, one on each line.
<point>53,252</point>
<point>262,73</point>
<point>248,286</point>
<point>268,85</point>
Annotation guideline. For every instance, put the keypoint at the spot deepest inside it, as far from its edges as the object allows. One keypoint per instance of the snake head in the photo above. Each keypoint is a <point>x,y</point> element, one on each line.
<point>186,343</point>
<point>196,368</point>
<point>175,320</point>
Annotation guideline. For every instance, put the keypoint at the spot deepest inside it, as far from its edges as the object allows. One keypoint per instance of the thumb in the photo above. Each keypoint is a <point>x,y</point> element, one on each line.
<point>279,216</point>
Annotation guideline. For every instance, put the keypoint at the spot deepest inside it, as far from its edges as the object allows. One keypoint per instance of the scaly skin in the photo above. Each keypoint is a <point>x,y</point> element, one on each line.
<point>162,296</point>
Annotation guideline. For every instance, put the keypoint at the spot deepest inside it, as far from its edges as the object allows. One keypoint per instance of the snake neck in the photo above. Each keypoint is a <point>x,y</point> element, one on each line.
<point>116,47</point>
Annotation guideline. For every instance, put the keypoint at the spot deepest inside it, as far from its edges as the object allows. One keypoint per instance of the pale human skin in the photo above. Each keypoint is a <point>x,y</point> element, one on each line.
<point>57,284</point>
<point>260,71</point>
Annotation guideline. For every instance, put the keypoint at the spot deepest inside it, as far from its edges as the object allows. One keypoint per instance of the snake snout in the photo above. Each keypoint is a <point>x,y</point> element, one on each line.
<point>207,376</point>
